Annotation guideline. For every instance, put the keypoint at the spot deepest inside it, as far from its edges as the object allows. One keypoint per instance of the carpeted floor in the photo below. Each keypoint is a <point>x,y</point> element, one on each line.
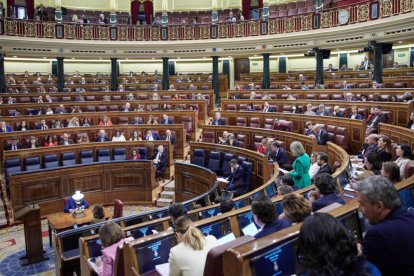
<point>12,247</point>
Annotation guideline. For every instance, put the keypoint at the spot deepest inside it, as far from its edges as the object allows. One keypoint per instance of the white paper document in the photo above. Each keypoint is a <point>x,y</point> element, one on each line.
<point>221,179</point>
<point>226,238</point>
<point>163,269</point>
<point>250,230</point>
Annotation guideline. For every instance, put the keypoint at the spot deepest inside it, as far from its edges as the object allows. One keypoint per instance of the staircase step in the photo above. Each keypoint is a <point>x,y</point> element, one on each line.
<point>170,186</point>
<point>162,202</point>
<point>167,194</point>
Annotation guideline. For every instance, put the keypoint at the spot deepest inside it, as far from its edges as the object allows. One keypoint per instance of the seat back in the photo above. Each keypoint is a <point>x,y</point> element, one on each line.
<point>143,152</point>
<point>214,161</point>
<point>241,121</point>
<point>12,166</point>
<point>208,137</point>
<point>119,154</point>
<point>103,155</point>
<point>32,163</point>
<point>51,160</point>
<point>254,122</point>
<point>248,167</point>
<point>198,157</point>
<point>86,157</point>
<point>68,159</point>
<point>118,208</point>
<point>409,169</point>
<point>225,167</point>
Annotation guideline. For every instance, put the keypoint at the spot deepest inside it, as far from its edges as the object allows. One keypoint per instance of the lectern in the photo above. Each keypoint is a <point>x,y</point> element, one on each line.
<point>30,216</point>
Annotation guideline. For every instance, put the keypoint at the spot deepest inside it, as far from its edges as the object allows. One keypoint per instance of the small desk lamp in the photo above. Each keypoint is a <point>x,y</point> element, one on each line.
<point>78,212</point>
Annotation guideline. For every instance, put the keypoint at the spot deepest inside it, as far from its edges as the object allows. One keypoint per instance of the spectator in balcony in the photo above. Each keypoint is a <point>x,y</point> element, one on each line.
<point>22,126</point>
<point>14,144</point>
<point>134,155</point>
<point>262,148</point>
<point>314,167</point>
<point>320,134</point>
<point>102,136</point>
<point>325,193</point>
<point>337,112</point>
<point>231,18</point>
<point>157,21</point>
<point>391,171</point>
<point>322,160</point>
<point>278,154</point>
<point>265,216</point>
<point>65,141</point>
<point>51,141</point>
<point>151,136</point>
<point>365,64</point>
<point>105,121</point>
<point>309,110</point>
<point>384,148</point>
<point>331,69</point>
<point>152,120</point>
<point>322,111</point>
<point>354,113</point>
<point>268,108</point>
<point>210,78</point>
<point>404,155</point>
<point>218,120</point>
<point>118,137</point>
<point>295,208</point>
<point>102,19</point>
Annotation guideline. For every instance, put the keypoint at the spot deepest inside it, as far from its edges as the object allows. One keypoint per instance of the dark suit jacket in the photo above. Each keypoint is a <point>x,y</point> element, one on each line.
<point>270,109</point>
<point>237,181</point>
<point>280,157</point>
<point>368,149</point>
<point>154,135</point>
<point>8,129</point>
<point>219,122</point>
<point>324,113</point>
<point>99,139</point>
<point>161,165</point>
<point>269,229</point>
<point>326,200</point>
<point>69,141</point>
<point>166,122</point>
<point>389,245</point>
<point>324,169</point>
<point>362,66</point>
<point>410,123</point>
<point>322,137</point>
<point>9,146</point>
<point>338,114</point>
<point>172,139</point>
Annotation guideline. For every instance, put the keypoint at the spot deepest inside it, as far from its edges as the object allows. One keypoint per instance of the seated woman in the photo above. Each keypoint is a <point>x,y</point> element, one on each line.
<point>118,137</point>
<point>265,216</point>
<point>404,156</point>
<point>354,114</point>
<point>134,155</point>
<point>111,236</point>
<point>22,127</point>
<point>135,136</point>
<point>152,120</point>
<point>325,193</point>
<point>262,148</point>
<point>326,247</point>
<point>84,139</point>
<point>105,121</point>
<point>384,148</point>
<point>295,208</point>
<point>372,166</point>
<point>74,122</point>
<point>391,171</point>
<point>188,257</point>
<point>51,141</point>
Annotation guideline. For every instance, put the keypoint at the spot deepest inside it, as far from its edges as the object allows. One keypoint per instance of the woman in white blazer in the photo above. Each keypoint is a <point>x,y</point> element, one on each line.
<point>188,257</point>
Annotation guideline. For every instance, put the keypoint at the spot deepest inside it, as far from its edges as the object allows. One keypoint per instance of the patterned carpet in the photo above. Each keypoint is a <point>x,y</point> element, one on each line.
<point>12,247</point>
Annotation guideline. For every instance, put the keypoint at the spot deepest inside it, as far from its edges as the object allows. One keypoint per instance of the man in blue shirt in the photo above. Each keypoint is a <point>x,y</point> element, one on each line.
<point>389,243</point>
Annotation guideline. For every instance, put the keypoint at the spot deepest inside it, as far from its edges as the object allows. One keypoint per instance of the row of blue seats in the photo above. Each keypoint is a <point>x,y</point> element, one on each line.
<point>51,160</point>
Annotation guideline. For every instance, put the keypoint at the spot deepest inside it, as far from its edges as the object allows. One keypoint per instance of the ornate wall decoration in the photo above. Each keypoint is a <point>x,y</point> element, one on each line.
<point>239,29</point>
<point>205,31</point>
<point>407,5</point>
<point>289,24</point>
<point>103,33</point>
<point>189,32</point>
<point>49,30</point>
<point>173,33</point>
<point>87,32</point>
<point>254,27</point>
<point>273,26</point>
<point>155,33</point>
<point>306,22</point>
<point>10,28</point>
<point>386,8</point>
<point>29,29</point>
<point>69,31</point>
<point>123,33</point>
<point>326,20</point>
<point>363,13</point>
<point>138,33</point>
<point>222,30</point>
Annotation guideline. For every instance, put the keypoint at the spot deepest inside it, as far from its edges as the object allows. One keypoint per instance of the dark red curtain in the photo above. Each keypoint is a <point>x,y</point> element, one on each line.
<point>260,2</point>
<point>148,9</point>
<point>30,8</point>
<point>246,9</point>
<point>135,11</point>
<point>10,4</point>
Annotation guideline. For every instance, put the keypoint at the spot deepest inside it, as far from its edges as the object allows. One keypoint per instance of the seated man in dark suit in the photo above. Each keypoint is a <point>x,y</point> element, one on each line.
<point>65,141</point>
<point>237,179</point>
<point>322,160</point>
<point>278,154</point>
<point>102,136</point>
<point>337,112</point>
<point>378,117</point>
<point>331,69</point>
<point>371,145</point>
<point>218,121</point>
<point>322,111</point>
<point>14,144</point>
<point>389,242</point>
<point>160,160</point>
<point>321,135</point>
<point>165,120</point>
<point>169,137</point>
<point>268,108</point>
<point>265,216</point>
<point>151,136</point>
<point>325,193</point>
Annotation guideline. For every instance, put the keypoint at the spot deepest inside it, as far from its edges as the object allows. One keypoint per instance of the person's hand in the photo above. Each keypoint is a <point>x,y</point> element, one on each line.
<point>98,261</point>
<point>359,249</point>
<point>313,195</point>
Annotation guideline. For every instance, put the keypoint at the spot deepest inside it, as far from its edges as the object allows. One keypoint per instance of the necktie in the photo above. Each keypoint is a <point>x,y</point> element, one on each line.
<point>168,138</point>
<point>14,147</point>
<point>4,129</point>
<point>366,65</point>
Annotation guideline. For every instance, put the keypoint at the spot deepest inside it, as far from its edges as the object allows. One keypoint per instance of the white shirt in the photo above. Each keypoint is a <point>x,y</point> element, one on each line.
<point>314,168</point>
<point>186,261</point>
<point>121,138</point>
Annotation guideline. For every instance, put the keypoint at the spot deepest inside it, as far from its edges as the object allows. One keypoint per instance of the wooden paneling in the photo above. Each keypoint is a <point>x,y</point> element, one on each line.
<point>397,134</point>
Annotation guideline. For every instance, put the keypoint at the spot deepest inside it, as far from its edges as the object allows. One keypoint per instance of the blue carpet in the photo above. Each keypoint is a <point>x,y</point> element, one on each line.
<point>10,266</point>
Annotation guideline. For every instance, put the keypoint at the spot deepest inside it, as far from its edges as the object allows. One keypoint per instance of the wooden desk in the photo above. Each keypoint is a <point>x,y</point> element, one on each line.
<point>59,222</point>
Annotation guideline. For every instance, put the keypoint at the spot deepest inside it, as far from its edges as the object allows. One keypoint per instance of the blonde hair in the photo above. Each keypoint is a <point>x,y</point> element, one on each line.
<point>190,235</point>
<point>296,207</point>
